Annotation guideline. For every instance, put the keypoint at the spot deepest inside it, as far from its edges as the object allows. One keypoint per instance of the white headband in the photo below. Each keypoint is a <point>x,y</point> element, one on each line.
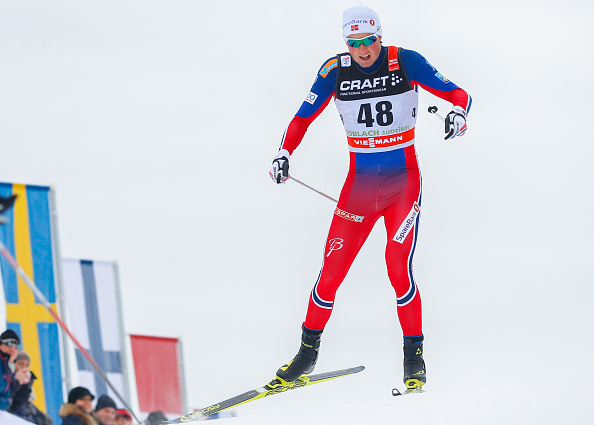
<point>360,19</point>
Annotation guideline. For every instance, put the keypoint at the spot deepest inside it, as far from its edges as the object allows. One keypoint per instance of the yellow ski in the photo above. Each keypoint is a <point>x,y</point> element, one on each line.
<point>273,387</point>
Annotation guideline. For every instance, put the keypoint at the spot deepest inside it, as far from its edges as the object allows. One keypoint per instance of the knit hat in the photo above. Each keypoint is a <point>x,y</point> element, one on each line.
<point>78,393</point>
<point>155,418</point>
<point>10,336</point>
<point>22,356</point>
<point>360,19</point>
<point>105,401</point>
<point>123,413</point>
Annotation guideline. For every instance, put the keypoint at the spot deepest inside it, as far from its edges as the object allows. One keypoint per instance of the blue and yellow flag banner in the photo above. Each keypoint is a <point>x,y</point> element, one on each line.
<point>28,237</point>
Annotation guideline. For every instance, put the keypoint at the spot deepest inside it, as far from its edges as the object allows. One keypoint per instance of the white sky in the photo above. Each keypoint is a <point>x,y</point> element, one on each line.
<point>156,122</point>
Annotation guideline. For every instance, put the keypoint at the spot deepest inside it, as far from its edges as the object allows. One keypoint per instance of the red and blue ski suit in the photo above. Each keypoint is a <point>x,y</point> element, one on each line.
<point>378,107</point>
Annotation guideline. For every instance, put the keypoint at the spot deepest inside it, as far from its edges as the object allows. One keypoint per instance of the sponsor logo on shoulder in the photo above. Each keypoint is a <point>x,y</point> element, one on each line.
<point>348,215</point>
<point>441,77</point>
<point>407,224</point>
<point>311,97</point>
<point>345,61</point>
<point>393,65</point>
<point>328,66</point>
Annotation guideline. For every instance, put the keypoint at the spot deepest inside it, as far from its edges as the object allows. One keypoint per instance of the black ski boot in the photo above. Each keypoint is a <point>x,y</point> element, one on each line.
<point>305,360</point>
<point>414,365</point>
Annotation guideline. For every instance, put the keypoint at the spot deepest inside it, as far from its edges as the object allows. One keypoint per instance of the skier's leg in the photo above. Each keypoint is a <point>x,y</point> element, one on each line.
<point>352,222</point>
<point>402,223</point>
<point>344,241</point>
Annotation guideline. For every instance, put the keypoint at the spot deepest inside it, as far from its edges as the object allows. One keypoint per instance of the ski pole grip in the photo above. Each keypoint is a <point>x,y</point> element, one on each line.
<point>433,110</point>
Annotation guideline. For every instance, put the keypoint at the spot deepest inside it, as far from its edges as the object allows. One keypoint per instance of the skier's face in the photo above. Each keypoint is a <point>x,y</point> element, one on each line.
<point>364,55</point>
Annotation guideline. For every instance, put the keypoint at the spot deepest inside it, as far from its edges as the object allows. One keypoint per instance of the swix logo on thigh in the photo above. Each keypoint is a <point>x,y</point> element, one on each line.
<point>407,224</point>
<point>334,244</point>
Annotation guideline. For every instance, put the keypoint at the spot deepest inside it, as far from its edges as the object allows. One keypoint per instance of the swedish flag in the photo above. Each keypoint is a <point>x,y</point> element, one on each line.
<point>28,237</point>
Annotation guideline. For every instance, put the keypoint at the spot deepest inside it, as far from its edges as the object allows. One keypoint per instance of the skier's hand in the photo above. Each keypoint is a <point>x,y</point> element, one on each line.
<point>455,123</point>
<point>279,171</point>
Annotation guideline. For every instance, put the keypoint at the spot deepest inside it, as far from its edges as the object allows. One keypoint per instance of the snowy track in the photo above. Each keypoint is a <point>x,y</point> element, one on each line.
<point>541,403</point>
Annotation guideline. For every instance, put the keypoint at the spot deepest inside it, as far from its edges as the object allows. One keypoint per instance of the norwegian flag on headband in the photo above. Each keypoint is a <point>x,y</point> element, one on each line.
<point>354,27</point>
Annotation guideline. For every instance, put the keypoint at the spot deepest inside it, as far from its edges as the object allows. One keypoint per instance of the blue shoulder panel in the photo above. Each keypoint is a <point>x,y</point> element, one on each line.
<point>321,90</point>
<point>420,70</point>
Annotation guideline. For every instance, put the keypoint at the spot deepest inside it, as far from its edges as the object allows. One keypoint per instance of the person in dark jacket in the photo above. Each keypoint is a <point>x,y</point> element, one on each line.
<point>9,343</point>
<point>21,390</point>
<point>22,381</point>
<point>5,204</point>
<point>105,410</point>
<point>79,407</point>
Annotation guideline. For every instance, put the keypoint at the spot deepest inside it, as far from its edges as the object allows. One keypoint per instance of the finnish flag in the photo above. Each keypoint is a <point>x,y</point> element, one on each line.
<point>91,292</point>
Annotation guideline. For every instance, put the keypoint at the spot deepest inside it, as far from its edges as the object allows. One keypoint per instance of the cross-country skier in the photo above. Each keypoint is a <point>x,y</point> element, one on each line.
<point>375,89</point>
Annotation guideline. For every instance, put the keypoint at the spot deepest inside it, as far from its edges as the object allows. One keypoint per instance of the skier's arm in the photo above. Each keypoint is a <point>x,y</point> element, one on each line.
<point>316,101</point>
<point>420,72</point>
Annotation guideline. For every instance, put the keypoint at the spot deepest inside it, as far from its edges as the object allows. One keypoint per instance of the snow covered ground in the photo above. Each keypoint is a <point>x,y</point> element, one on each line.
<point>545,401</point>
<point>491,358</point>
<point>8,419</point>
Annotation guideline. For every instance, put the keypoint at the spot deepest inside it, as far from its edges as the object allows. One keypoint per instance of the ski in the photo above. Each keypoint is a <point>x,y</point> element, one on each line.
<point>273,387</point>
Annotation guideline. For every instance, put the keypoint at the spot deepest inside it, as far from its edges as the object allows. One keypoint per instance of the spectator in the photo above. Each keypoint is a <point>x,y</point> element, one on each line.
<point>5,204</point>
<point>78,409</point>
<point>22,393</point>
<point>9,342</point>
<point>123,417</point>
<point>105,410</point>
<point>22,381</point>
<point>155,418</point>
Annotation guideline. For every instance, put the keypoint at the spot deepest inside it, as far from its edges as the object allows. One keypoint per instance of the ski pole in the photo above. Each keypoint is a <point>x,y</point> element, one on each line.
<point>433,110</point>
<point>315,190</point>
<point>41,298</point>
